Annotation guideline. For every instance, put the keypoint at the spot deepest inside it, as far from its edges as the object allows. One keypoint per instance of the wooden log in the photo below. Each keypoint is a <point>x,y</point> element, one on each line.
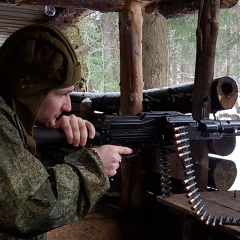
<point>222,173</point>
<point>97,5</point>
<point>131,76</point>
<point>223,147</point>
<point>226,92</point>
<point>167,8</point>
<point>133,190</point>
<point>179,8</point>
<point>175,98</point>
<point>207,32</point>
<point>67,18</point>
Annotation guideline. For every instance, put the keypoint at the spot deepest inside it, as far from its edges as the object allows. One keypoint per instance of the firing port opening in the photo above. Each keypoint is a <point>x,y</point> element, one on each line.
<point>227,88</point>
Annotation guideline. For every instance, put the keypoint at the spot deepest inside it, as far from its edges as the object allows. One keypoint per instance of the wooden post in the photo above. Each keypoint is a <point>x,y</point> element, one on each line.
<point>207,32</point>
<point>131,79</point>
<point>131,89</point>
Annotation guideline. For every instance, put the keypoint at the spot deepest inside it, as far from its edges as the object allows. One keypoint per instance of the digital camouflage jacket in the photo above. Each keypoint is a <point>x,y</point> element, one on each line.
<point>40,194</point>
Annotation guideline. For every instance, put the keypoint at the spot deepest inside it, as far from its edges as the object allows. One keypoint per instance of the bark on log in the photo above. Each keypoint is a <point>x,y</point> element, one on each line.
<point>68,18</point>
<point>97,5</point>
<point>175,98</point>
<point>131,77</point>
<point>179,8</point>
<point>207,32</point>
<point>226,92</point>
<point>223,147</point>
<point>133,191</point>
<point>222,173</point>
<point>167,8</point>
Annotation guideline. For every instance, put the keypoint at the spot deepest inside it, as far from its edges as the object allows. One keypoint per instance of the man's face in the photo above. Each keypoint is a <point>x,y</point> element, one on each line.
<point>54,104</point>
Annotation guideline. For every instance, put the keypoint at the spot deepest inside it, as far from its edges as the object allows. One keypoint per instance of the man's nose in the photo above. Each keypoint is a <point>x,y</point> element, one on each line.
<point>67,105</point>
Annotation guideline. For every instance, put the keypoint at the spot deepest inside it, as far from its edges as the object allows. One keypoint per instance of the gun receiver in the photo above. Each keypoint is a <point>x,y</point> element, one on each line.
<point>146,128</point>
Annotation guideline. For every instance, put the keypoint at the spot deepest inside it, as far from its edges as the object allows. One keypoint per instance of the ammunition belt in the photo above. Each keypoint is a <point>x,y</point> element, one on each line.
<point>190,185</point>
<point>165,174</point>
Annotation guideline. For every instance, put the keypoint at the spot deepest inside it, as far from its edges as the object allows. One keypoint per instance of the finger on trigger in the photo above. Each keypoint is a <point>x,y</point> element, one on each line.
<point>124,150</point>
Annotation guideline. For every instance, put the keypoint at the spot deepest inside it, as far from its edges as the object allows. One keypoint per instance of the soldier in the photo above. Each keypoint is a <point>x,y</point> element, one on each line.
<point>38,70</point>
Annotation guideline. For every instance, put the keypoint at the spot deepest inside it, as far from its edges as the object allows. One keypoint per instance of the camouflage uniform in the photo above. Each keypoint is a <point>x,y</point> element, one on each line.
<point>37,196</point>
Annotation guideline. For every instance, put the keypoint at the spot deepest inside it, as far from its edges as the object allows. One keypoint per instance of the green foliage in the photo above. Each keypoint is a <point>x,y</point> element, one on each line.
<point>182,46</point>
<point>100,70</point>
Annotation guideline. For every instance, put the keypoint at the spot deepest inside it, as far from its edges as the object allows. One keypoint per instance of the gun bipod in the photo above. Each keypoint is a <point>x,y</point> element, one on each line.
<point>194,197</point>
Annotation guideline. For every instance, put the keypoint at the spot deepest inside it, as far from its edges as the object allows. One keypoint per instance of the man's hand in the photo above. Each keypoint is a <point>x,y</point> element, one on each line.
<point>111,157</point>
<point>76,129</point>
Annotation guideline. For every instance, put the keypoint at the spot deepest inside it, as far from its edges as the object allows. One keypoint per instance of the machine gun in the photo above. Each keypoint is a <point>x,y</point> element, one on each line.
<point>147,128</point>
<point>163,130</point>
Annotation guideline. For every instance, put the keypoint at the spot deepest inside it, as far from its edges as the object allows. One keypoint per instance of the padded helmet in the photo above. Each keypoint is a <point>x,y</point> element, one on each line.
<point>33,61</point>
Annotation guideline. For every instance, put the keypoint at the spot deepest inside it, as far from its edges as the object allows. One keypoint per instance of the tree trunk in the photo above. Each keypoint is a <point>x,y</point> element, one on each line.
<point>155,51</point>
<point>110,48</point>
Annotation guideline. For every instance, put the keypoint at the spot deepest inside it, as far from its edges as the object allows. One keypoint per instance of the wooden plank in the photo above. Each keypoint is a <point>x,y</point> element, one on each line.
<point>22,10</point>
<point>99,5</point>
<point>15,23</point>
<point>15,17</point>
<point>22,6</point>
<point>218,203</point>
<point>15,20</point>
<point>20,14</point>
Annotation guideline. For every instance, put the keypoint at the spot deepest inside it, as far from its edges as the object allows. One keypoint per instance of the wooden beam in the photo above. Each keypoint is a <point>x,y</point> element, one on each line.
<point>131,88</point>
<point>68,18</point>
<point>207,32</point>
<point>179,8</point>
<point>98,5</point>
<point>175,98</point>
<point>131,78</point>
<point>21,6</point>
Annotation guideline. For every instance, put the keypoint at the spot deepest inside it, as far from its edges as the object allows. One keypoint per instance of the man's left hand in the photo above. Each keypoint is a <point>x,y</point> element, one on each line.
<point>76,129</point>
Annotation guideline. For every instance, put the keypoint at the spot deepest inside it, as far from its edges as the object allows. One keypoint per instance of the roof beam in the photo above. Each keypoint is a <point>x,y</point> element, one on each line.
<point>167,8</point>
<point>179,8</point>
<point>98,5</point>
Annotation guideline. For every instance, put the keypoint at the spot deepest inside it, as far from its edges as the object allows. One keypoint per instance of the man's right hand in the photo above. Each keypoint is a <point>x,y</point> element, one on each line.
<point>111,157</point>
